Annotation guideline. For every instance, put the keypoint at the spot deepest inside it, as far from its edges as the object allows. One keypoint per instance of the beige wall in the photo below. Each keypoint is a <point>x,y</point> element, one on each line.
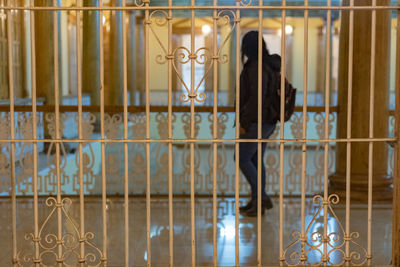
<point>297,61</point>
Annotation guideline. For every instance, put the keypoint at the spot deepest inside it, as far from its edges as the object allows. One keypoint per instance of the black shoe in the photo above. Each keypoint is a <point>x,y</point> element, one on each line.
<point>253,211</point>
<point>248,206</point>
<point>265,204</point>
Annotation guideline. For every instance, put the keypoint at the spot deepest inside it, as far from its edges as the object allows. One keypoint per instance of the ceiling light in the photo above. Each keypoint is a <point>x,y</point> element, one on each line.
<point>206,29</point>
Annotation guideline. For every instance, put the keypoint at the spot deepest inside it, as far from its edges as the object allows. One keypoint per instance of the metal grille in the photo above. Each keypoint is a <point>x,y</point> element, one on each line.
<point>137,136</point>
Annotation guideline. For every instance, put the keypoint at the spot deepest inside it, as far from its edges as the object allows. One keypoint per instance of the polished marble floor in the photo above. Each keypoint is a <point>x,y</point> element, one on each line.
<point>159,231</point>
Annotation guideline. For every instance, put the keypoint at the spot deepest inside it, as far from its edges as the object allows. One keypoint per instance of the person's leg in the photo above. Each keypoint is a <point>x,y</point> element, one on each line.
<point>267,130</point>
<point>254,160</point>
<point>246,153</point>
<point>249,170</point>
<point>266,201</point>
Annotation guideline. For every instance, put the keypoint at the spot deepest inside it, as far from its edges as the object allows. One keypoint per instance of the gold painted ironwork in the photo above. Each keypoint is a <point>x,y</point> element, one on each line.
<point>70,241</point>
<point>308,248</point>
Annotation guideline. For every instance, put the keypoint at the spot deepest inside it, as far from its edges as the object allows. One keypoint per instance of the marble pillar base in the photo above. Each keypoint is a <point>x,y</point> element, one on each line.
<point>382,187</point>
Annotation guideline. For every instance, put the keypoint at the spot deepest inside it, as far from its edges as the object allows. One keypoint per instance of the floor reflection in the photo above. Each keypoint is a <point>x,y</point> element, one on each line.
<point>159,231</point>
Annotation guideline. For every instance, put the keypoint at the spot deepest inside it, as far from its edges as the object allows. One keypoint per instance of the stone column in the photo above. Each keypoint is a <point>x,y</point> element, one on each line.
<point>91,54</point>
<point>4,83</point>
<point>132,55</point>
<point>44,51</point>
<point>3,65</point>
<point>24,82</point>
<point>382,190</point>
<point>44,44</point>
<point>114,91</point>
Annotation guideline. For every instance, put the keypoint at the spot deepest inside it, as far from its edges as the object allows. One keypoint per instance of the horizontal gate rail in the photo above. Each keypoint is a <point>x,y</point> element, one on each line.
<point>115,8</point>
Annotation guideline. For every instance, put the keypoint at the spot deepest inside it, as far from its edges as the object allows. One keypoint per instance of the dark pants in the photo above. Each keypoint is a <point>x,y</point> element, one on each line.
<point>248,157</point>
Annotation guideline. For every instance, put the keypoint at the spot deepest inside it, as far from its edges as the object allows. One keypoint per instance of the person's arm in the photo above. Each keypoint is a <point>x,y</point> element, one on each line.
<point>249,113</point>
<point>244,96</point>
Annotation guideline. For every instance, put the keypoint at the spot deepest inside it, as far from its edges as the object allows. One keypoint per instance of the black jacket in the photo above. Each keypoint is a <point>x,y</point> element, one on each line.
<point>249,91</point>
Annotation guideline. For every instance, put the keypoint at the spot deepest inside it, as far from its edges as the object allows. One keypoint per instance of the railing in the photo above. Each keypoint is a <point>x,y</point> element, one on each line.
<point>159,151</point>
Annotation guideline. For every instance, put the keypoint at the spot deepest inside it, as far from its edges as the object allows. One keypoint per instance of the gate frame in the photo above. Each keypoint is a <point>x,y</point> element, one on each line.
<point>396,178</point>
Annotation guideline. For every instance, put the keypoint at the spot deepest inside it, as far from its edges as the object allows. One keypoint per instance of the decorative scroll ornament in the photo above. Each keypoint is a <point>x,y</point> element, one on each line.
<point>49,182</point>
<point>64,249</point>
<point>138,153</point>
<point>272,163</point>
<point>186,118</point>
<point>113,160</point>
<point>222,119</point>
<point>293,178</point>
<point>315,248</point>
<point>296,126</point>
<point>88,120</point>
<point>51,120</point>
<point>141,3</point>
<point>222,176</point>
<point>112,125</point>
<point>182,180</point>
<point>316,182</point>
<point>160,179</point>
<point>4,126</point>
<point>320,120</point>
<point>88,157</point>
<point>183,55</point>
<point>25,122</point>
<point>5,167</point>
<point>225,18</point>
<point>245,2</point>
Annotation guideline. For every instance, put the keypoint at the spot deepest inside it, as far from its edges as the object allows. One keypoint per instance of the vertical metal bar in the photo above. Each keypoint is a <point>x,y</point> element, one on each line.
<point>60,259</point>
<point>396,180</point>
<point>146,47</point>
<point>237,123</point>
<point>303,257</point>
<point>12,136</point>
<point>126,167</point>
<point>192,124</point>
<point>34,136</point>
<point>215,133</point>
<point>326,129</point>
<point>348,144</point>
<point>371,131</point>
<point>102,136</point>
<point>170,155</point>
<point>259,131</point>
<point>282,132</point>
<point>79,84</point>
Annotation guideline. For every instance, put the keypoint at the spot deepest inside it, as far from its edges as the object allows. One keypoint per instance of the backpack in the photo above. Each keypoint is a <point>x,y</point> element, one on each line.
<point>290,98</point>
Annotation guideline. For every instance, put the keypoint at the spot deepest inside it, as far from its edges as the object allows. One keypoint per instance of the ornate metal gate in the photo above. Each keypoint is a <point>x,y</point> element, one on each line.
<point>75,174</point>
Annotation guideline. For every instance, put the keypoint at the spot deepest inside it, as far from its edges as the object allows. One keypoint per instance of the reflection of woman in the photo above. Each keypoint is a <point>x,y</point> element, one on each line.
<point>248,161</point>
